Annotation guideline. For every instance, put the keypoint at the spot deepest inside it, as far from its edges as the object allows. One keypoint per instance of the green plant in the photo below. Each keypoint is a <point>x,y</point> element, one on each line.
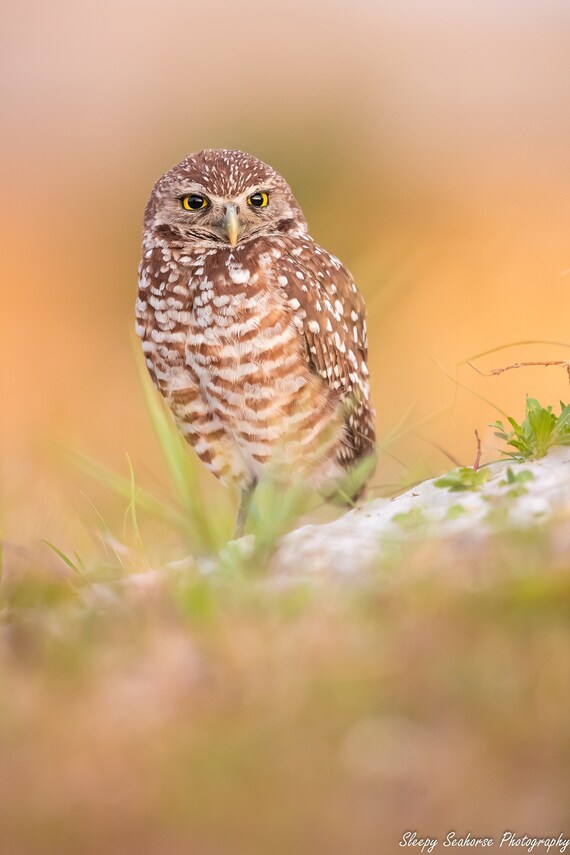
<point>455,511</point>
<point>539,431</point>
<point>464,478</point>
<point>414,518</point>
<point>180,509</point>
<point>516,482</point>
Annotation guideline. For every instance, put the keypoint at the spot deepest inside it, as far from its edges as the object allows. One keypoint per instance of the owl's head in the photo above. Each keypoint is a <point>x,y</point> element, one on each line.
<point>222,197</point>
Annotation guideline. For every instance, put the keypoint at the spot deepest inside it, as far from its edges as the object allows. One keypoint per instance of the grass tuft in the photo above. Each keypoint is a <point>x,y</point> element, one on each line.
<point>539,431</point>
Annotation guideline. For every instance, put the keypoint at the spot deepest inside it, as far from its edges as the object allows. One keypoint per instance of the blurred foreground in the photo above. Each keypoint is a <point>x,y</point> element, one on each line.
<point>225,714</point>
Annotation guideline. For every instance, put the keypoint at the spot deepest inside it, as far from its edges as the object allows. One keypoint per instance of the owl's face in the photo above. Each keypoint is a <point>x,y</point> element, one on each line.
<point>222,197</point>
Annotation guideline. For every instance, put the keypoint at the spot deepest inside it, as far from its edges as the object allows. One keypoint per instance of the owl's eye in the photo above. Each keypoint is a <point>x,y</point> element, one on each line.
<point>193,202</point>
<point>258,200</point>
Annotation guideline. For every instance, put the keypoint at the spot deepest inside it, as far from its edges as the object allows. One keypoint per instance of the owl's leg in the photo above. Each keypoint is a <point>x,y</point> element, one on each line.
<point>245,502</point>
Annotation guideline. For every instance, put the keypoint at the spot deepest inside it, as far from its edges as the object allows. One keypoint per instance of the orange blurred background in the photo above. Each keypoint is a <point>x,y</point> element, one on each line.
<point>427,143</point>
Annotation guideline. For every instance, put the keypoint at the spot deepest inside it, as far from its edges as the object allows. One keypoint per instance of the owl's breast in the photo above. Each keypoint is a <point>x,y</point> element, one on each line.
<point>225,348</point>
<point>241,347</point>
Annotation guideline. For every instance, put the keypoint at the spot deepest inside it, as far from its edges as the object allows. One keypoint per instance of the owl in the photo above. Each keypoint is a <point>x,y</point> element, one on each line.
<point>253,333</point>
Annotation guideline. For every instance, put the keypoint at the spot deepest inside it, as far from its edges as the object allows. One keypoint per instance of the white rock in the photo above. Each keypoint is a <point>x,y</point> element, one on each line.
<point>352,543</point>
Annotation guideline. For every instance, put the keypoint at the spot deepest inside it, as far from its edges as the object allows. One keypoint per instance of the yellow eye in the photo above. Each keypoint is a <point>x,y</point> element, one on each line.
<point>193,202</point>
<point>258,200</point>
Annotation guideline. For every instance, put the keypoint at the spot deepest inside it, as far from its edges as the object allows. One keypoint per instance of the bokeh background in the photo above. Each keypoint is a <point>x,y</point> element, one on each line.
<point>427,142</point>
<point>181,712</point>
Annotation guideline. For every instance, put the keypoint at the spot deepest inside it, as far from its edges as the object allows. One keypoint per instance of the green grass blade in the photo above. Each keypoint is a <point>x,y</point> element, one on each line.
<point>205,530</point>
<point>65,558</point>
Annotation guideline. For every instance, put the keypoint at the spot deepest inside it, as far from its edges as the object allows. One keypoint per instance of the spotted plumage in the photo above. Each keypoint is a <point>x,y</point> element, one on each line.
<point>254,334</point>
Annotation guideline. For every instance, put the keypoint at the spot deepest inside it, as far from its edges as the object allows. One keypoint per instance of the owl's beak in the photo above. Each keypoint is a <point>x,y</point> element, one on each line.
<point>231,224</point>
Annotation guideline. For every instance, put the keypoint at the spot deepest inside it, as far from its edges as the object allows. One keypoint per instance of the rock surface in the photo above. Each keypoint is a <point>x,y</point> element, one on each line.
<point>511,496</point>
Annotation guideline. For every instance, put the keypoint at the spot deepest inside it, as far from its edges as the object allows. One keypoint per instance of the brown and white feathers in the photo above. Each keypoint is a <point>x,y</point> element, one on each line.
<point>254,334</point>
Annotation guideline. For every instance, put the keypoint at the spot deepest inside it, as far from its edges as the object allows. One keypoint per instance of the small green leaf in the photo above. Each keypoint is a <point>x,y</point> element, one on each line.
<point>515,492</point>
<point>410,519</point>
<point>455,511</point>
<point>463,478</point>
<point>516,477</point>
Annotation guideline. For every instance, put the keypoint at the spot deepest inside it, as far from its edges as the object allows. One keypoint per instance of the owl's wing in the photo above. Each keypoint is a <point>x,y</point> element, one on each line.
<point>158,324</point>
<point>329,314</point>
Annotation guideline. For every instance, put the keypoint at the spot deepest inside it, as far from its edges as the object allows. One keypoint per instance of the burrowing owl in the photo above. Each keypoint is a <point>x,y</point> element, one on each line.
<point>254,334</point>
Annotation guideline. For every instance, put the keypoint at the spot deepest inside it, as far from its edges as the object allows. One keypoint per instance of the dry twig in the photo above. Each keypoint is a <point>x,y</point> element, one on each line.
<point>478,455</point>
<point>495,371</point>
